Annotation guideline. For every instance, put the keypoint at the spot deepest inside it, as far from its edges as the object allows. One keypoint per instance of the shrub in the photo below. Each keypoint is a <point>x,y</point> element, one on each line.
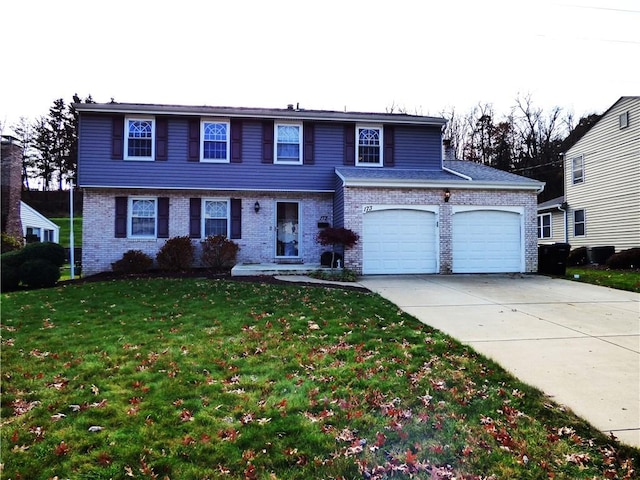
<point>219,252</point>
<point>626,259</point>
<point>10,244</point>
<point>39,273</point>
<point>49,251</point>
<point>337,236</point>
<point>577,257</point>
<point>10,269</point>
<point>133,261</point>
<point>176,254</point>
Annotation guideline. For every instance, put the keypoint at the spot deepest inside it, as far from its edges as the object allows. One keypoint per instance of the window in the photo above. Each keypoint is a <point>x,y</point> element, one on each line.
<point>624,120</point>
<point>577,168</point>
<point>579,223</point>
<point>139,139</point>
<point>215,217</point>
<point>48,236</point>
<point>369,148</point>
<point>142,220</point>
<point>544,225</point>
<point>288,143</point>
<point>215,141</point>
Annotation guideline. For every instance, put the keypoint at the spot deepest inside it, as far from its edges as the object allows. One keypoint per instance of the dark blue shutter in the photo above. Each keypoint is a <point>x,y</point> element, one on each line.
<point>308,131</point>
<point>267,142</point>
<point>162,136</point>
<point>195,211</point>
<point>163,217</point>
<point>350,144</point>
<point>236,141</point>
<point>121,217</point>
<point>236,218</point>
<point>389,143</point>
<point>194,140</point>
<point>117,137</point>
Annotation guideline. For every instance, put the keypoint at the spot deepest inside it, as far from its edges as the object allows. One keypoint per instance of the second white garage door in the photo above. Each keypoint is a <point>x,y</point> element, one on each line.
<point>397,241</point>
<point>487,241</point>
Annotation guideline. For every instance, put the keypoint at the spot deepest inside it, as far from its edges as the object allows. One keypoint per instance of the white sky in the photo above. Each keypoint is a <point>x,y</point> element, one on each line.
<point>421,55</point>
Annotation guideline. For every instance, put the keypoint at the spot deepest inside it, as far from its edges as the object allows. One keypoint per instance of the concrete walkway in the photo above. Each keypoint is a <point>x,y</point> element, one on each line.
<point>578,343</point>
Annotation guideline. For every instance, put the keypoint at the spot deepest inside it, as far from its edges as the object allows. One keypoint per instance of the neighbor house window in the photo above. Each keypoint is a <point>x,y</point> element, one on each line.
<point>577,168</point>
<point>47,235</point>
<point>215,141</point>
<point>142,217</point>
<point>544,225</point>
<point>579,223</point>
<point>139,139</point>
<point>215,217</point>
<point>624,120</point>
<point>369,146</point>
<point>288,143</point>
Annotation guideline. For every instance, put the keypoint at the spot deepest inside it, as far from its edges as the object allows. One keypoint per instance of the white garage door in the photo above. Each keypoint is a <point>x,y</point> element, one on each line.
<point>486,241</point>
<point>399,241</point>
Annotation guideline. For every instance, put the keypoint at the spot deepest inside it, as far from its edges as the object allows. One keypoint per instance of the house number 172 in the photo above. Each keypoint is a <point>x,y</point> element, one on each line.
<point>367,208</point>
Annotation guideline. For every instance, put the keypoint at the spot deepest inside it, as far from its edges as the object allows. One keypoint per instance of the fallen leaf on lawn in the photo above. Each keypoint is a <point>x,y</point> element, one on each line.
<point>57,417</point>
<point>95,390</point>
<point>95,428</point>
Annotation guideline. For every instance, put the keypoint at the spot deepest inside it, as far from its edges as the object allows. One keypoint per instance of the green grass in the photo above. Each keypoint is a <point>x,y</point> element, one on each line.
<point>619,279</point>
<point>65,229</point>
<point>195,379</point>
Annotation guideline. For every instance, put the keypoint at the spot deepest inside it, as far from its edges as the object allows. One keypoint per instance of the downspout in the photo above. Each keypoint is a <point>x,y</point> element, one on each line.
<point>563,208</point>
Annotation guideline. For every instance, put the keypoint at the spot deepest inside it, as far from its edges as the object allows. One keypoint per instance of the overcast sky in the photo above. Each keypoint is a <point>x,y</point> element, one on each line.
<point>422,56</point>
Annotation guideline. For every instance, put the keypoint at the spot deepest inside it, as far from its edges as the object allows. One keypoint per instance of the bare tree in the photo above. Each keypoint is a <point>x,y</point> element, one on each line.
<point>26,136</point>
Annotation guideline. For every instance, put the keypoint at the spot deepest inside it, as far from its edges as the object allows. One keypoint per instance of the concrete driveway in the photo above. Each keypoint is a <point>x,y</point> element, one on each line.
<point>578,343</point>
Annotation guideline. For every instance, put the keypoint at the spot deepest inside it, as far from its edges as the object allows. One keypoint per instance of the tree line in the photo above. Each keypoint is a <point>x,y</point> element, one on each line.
<point>526,141</point>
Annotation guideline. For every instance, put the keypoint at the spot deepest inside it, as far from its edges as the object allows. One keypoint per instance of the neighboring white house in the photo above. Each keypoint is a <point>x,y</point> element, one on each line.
<point>34,223</point>
<point>601,204</point>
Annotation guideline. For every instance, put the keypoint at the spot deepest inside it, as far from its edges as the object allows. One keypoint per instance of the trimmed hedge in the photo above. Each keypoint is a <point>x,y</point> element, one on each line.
<point>39,273</point>
<point>133,261</point>
<point>219,252</point>
<point>626,259</point>
<point>37,265</point>
<point>577,257</point>
<point>10,269</point>
<point>52,252</point>
<point>176,254</point>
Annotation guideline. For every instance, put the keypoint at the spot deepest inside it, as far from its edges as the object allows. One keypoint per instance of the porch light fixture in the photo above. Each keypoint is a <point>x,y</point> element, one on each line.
<point>256,206</point>
<point>447,194</point>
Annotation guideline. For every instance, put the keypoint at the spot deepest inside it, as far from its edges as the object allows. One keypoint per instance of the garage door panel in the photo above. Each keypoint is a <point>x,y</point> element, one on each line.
<point>399,241</point>
<point>486,242</point>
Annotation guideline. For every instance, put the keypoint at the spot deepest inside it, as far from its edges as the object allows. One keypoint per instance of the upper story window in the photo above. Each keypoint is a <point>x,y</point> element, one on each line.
<point>142,217</point>
<point>369,145</point>
<point>624,120</point>
<point>214,141</point>
<point>577,170</point>
<point>139,137</point>
<point>579,223</point>
<point>215,217</point>
<point>288,143</point>
<point>544,225</point>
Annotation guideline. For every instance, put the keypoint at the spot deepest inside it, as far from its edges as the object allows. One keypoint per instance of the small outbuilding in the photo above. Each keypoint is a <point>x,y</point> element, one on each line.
<point>34,224</point>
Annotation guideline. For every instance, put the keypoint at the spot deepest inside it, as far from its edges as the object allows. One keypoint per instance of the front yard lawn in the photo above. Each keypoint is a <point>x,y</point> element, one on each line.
<point>203,379</point>
<point>619,279</point>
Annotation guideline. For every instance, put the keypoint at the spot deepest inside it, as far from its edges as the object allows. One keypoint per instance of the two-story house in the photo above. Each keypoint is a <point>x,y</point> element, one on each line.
<point>601,204</point>
<point>270,179</point>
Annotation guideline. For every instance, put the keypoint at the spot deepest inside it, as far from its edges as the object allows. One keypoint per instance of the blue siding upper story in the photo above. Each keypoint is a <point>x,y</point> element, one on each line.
<point>415,147</point>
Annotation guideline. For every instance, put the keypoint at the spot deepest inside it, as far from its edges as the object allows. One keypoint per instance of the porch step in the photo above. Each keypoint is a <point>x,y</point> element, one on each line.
<point>251,269</point>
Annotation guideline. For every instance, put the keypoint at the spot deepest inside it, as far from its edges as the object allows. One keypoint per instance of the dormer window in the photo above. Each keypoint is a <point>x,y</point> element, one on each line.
<point>369,146</point>
<point>139,139</point>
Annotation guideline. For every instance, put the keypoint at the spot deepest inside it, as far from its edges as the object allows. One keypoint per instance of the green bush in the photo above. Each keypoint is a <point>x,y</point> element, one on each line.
<point>219,252</point>
<point>133,261</point>
<point>39,273</point>
<point>577,257</point>
<point>10,269</point>
<point>49,251</point>
<point>626,259</point>
<point>10,244</point>
<point>176,254</point>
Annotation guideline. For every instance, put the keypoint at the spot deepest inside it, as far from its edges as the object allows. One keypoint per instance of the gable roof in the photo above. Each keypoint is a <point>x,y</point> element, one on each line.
<point>28,212</point>
<point>274,113</point>
<point>552,204</point>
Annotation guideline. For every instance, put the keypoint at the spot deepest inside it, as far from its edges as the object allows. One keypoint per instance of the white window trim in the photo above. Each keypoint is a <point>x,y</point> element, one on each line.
<point>584,222</point>
<point>300,160</point>
<point>130,218</point>
<point>203,217</point>
<point>153,138</point>
<point>380,128</point>
<point>575,181</point>
<point>541,218</point>
<point>215,120</point>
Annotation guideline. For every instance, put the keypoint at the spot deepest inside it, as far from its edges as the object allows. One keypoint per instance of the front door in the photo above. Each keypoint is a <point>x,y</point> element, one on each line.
<point>287,229</point>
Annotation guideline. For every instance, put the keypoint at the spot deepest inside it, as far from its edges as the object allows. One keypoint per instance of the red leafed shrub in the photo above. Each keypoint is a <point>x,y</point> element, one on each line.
<point>133,261</point>
<point>176,254</point>
<point>626,259</point>
<point>219,252</point>
<point>337,236</point>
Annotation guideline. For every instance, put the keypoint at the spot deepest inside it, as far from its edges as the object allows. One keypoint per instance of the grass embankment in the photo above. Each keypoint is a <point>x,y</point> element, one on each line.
<point>65,229</point>
<point>194,378</point>
<point>619,279</point>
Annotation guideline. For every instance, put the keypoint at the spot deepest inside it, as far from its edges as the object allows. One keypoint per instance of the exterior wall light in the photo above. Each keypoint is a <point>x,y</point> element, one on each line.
<point>447,195</point>
<point>256,206</point>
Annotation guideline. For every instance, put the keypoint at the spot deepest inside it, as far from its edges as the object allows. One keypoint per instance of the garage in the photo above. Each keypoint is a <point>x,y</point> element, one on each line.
<point>399,240</point>
<point>487,240</point>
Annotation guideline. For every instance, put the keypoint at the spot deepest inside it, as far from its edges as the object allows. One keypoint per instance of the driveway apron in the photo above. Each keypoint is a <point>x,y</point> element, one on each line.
<point>578,343</point>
